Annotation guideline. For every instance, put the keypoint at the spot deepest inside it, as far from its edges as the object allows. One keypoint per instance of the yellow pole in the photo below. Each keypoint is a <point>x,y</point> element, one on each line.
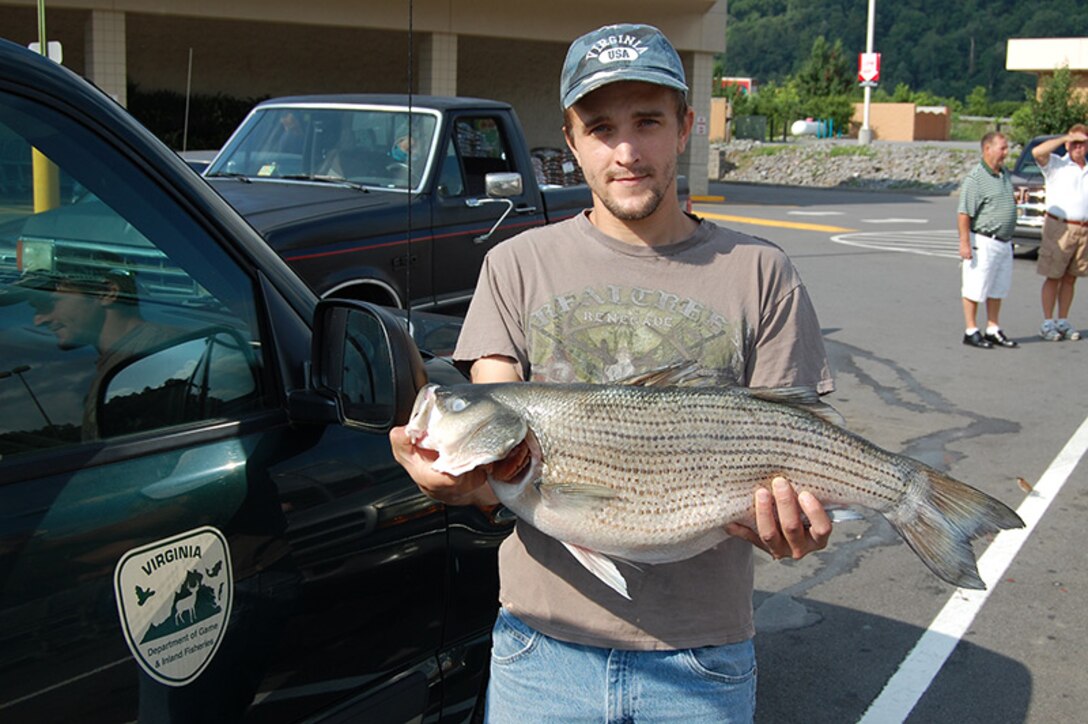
<point>46,175</point>
<point>46,183</point>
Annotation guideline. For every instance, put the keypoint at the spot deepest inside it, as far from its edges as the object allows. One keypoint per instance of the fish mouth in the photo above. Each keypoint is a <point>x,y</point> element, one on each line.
<point>422,412</point>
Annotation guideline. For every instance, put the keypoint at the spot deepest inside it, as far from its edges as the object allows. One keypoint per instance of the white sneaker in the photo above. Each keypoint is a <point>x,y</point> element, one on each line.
<point>1049,332</point>
<point>1065,329</point>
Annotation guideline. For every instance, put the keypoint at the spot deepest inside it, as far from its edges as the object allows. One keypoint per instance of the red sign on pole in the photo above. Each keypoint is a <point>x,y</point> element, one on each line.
<point>868,69</point>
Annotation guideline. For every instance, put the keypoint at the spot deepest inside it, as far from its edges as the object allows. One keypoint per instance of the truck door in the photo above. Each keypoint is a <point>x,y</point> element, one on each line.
<point>480,143</point>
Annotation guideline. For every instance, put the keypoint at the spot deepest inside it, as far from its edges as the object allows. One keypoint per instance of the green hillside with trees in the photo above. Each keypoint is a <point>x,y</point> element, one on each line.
<point>946,48</point>
<point>803,58</point>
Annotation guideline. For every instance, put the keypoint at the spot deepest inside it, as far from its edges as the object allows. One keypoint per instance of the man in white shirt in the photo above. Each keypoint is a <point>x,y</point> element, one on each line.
<point>1063,253</point>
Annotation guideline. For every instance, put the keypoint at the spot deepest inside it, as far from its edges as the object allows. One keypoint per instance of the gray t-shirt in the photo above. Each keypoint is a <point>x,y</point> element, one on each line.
<point>572,304</point>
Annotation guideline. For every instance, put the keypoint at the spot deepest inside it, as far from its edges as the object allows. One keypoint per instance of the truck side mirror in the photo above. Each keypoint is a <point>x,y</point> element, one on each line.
<point>503,185</point>
<point>500,187</point>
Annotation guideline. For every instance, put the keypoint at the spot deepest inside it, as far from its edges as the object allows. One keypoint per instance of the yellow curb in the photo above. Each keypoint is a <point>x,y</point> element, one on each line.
<point>780,224</point>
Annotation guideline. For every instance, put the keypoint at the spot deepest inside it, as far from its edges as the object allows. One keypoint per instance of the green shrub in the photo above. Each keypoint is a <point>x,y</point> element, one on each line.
<point>212,117</point>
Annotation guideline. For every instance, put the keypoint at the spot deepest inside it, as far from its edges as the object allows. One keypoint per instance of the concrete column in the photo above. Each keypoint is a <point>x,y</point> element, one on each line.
<point>438,65</point>
<point>105,53</point>
<point>699,68</point>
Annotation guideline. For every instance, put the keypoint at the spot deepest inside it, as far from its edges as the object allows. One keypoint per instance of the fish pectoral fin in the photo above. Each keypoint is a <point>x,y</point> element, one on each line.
<point>841,514</point>
<point>600,566</point>
<point>806,398</point>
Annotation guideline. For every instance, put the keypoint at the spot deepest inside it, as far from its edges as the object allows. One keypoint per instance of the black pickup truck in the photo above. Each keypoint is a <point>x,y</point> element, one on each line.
<point>200,516</point>
<point>334,184</point>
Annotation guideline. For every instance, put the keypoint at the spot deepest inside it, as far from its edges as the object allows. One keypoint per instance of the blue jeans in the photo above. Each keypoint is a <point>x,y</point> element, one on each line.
<point>535,678</point>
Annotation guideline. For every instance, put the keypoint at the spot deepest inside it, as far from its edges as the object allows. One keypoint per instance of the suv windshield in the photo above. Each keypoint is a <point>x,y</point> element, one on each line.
<point>369,146</point>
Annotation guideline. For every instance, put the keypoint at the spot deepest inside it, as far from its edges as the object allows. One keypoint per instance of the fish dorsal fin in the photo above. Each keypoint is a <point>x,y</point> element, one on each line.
<point>681,374</point>
<point>805,398</point>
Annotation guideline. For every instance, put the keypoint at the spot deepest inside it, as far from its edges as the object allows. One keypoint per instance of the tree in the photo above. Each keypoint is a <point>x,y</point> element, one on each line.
<point>838,108</point>
<point>978,102</point>
<point>781,104</point>
<point>826,72</point>
<point>1054,111</point>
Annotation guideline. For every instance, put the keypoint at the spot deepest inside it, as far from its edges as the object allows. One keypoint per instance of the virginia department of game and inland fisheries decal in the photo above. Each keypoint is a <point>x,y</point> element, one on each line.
<point>174,598</point>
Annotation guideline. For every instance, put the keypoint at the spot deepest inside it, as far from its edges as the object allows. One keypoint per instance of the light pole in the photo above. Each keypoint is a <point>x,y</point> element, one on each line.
<point>865,135</point>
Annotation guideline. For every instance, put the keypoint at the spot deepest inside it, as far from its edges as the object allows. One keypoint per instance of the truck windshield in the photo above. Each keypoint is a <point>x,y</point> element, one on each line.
<point>368,146</point>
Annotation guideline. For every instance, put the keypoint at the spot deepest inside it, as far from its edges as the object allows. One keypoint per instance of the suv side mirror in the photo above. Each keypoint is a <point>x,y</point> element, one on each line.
<point>366,363</point>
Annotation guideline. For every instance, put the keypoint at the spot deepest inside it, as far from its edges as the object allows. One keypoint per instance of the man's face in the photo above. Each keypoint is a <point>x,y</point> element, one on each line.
<point>626,137</point>
<point>995,152</point>
<point>74,317</point>
<point>1076,151</point>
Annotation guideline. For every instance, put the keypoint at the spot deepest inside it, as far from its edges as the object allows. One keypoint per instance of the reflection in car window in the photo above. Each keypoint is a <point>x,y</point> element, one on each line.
<point>98,269</point>
<point>366,365</point>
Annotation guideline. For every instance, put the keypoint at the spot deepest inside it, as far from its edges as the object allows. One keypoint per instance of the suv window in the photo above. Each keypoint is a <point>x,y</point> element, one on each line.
<point>115,317</point>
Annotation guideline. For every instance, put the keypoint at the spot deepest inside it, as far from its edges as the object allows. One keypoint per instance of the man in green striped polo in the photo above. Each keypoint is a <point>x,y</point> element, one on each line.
<point>986,220</point>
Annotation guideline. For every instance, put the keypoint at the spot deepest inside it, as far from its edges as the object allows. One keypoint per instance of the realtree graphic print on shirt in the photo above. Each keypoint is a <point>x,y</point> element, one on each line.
<point>611,332</point>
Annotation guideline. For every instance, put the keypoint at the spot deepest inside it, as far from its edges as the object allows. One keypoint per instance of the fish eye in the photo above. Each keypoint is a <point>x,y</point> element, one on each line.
<point>458,404</point>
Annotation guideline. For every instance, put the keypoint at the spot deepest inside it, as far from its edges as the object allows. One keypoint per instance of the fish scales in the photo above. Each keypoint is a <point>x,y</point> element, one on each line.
<point>605,440</point>
<point>654,474</point>
<point>635,448</point>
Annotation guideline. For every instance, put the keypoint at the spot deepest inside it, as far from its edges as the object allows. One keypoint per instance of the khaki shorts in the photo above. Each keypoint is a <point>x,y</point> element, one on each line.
<point>1064,249</point>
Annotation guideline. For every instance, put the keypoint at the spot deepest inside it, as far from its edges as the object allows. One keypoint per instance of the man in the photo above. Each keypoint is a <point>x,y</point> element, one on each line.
<point>632,285</point>
<point>97,308</point>
<point>986,220</point>
<point>1063,253</point>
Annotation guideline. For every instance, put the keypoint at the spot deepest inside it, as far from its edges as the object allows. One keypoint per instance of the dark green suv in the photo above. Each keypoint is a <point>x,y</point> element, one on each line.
<point>200,517</point>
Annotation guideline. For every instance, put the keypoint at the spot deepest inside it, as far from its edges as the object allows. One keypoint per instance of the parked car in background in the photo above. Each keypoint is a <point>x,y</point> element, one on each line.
<point>1030,189</point>
<point>201,519</point>
<point>197,160</point>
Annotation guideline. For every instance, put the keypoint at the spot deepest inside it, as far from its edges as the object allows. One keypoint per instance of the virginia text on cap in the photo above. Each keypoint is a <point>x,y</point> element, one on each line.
<point>618,53</point>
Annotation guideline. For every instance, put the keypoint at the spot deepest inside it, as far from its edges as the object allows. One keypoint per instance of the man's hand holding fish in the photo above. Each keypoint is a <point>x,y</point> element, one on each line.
<point>468,488</point>
<point>788,524</point>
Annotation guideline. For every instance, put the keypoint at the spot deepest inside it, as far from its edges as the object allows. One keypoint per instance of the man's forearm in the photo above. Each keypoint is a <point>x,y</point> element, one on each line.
<point>1041,153</point>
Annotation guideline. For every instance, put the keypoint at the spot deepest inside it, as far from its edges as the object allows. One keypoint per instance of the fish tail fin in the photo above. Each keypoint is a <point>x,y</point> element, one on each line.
<point>940,519</point>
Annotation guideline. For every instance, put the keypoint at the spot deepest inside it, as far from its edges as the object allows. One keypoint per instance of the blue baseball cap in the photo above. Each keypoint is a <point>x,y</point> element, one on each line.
<point>617,53</point>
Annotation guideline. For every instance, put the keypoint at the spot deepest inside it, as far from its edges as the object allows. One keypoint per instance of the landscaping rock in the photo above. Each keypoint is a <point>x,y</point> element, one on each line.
<point>843,163</point>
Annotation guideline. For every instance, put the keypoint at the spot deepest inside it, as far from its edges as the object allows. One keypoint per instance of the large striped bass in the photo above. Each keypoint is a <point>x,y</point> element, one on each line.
<point>653,472</point>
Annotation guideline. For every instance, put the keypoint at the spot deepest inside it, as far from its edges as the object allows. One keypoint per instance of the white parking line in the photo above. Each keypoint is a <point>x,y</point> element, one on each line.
<point>920,667</point>
<point>938,242</point>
